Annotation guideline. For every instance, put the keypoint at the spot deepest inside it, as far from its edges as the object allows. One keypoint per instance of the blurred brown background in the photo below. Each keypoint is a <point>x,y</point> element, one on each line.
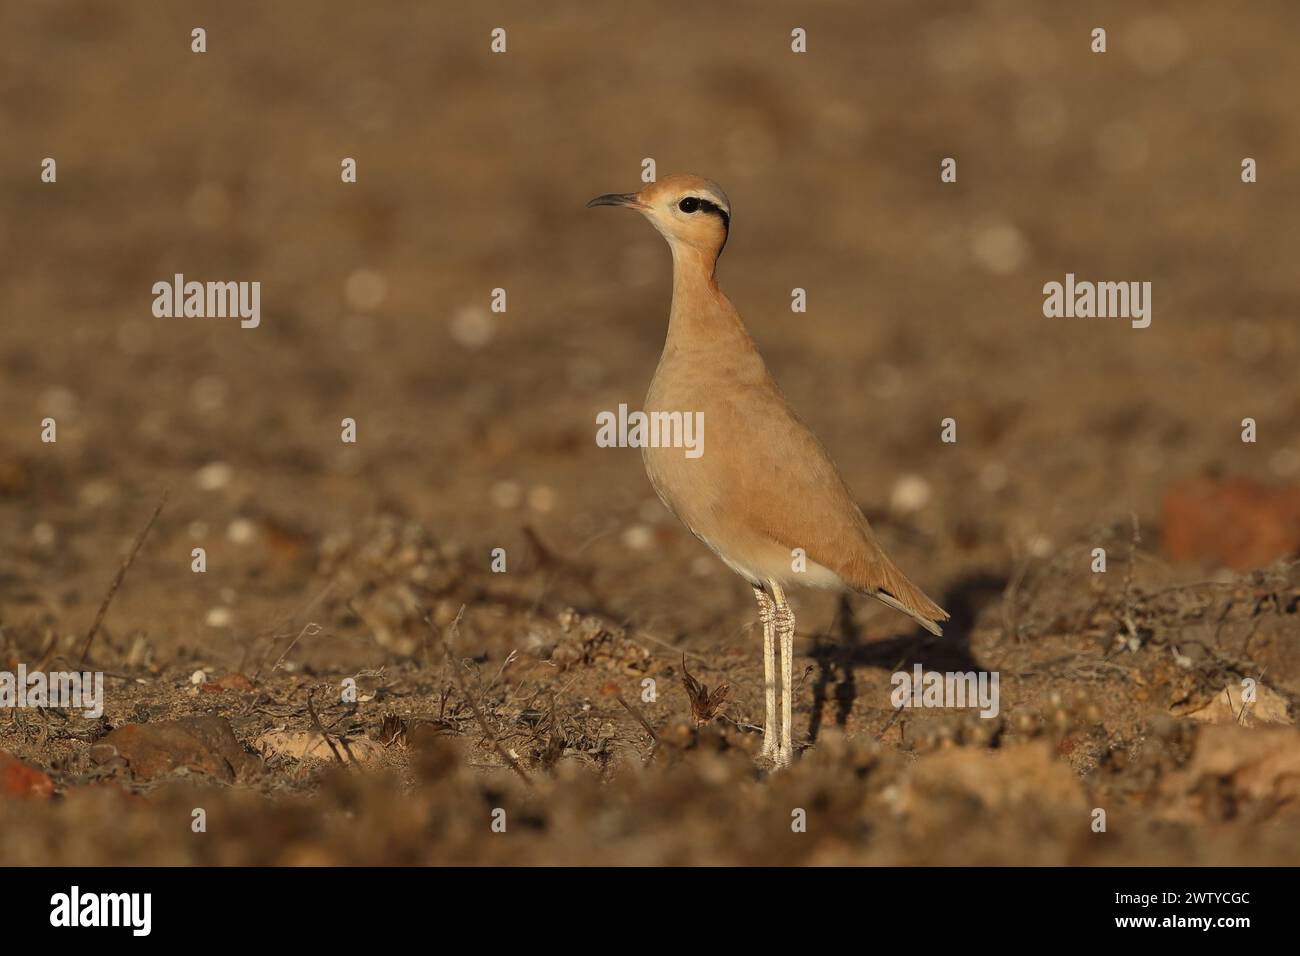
<point>925,299</point>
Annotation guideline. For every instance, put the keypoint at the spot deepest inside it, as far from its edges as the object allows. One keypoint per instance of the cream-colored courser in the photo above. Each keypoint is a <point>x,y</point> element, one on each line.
<point>764,485</point>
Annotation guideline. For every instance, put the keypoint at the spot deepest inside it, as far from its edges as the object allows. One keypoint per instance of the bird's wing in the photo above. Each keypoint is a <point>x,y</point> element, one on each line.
<point>786,488</point>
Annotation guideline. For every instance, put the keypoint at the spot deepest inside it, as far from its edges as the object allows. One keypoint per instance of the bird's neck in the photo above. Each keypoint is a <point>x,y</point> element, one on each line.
<point>700,314</point>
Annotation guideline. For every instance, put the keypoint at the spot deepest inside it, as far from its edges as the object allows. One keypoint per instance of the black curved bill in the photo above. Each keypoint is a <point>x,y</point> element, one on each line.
<point>614,199</point>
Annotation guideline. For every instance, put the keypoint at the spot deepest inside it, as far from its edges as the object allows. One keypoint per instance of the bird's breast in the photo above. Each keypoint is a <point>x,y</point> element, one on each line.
<point>694,398</point>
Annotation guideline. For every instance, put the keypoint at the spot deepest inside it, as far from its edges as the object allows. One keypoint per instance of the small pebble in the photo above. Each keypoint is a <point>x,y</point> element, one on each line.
<point>541,498</point>
<point>911,493</point>
<point>241,531</point>
<point>506,495</point>
<point>214,476</point>
<point>472,328</point>
<point>638,537</point>
<point>219,617</point>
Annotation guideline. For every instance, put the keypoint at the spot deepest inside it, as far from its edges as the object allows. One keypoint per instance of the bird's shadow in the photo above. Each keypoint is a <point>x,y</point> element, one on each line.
<point>840,653</point>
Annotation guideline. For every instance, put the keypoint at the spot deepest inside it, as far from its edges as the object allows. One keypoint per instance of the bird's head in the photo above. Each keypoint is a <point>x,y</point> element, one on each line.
<point>687,210</point>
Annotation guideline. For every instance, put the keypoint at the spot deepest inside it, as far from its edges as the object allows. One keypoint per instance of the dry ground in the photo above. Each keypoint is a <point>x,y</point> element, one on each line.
<point>1120,691</point>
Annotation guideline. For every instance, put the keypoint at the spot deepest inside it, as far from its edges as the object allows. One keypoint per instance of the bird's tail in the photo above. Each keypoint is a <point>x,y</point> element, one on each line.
<point>902,595</point>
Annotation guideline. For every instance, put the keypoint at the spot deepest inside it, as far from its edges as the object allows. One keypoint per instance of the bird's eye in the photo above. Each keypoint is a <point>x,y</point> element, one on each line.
<point>689,204</point>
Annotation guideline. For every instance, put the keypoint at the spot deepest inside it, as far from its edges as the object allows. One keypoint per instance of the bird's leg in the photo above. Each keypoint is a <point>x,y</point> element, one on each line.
<point>785,631</point>
<point>767,615</point>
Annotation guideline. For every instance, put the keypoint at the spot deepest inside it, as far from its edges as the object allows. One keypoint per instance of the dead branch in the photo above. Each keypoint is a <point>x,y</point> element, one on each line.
<point>117,580</point>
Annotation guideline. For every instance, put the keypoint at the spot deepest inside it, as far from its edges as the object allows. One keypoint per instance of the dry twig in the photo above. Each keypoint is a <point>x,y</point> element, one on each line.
<point>504,754</point>
<point>320,729</point>
<point>640,719</point>
<point>117,581</point>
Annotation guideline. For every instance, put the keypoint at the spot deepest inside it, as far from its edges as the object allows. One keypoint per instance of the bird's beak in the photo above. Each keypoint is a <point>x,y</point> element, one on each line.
<point>617,199</point>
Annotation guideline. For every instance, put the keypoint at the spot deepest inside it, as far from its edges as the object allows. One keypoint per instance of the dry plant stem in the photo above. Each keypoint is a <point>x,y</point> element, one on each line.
<point>705,704</point>
<point>48,652</point>
<point>504,754</point>
<point>641,719</point>
<point>1011,600</point>
<point>1129,624</point>
<point>315,720</point>
<point>117,581</point>
<point>306,609</point>
<point>889,723</point>
<point>306,628</point>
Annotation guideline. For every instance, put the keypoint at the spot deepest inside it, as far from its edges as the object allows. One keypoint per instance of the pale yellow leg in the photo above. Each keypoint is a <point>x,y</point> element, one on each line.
<point>767,615</point>
<point>785,631</point>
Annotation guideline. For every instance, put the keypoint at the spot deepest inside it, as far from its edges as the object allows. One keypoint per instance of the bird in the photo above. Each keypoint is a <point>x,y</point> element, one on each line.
<point>764,494</point>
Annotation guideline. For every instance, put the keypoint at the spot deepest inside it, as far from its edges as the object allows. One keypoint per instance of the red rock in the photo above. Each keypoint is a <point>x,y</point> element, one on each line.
<point>18,779</point>
<point>1234,522</point>
<point>202,744</point>
<point>231,681</point>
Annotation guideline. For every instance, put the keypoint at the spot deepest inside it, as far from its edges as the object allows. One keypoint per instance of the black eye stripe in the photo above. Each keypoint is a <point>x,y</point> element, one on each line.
<point>714,207</point>
<point>707,206</point>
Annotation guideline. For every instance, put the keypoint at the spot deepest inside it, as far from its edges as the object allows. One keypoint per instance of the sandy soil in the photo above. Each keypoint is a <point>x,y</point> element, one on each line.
<point>1120,691</point>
